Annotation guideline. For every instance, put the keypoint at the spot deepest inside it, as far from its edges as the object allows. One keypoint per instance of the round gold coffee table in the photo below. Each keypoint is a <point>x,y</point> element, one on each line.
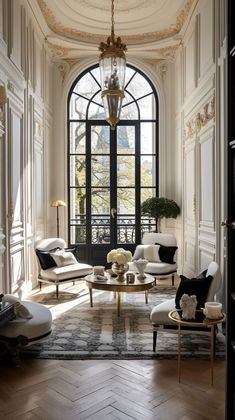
<point>112,285</point>
<point>175,316</point>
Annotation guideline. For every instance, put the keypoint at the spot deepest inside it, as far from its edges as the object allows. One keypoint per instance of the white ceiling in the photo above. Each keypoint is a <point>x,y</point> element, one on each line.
<point>152,29</point>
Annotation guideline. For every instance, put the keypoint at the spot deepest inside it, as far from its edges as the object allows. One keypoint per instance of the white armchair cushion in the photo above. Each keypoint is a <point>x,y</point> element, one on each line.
<point>160,268</point>
<point>151,253</point>
<point>71,271</point>
<point>159,314</point>
<point>156,268</point>
<point>63,258</point>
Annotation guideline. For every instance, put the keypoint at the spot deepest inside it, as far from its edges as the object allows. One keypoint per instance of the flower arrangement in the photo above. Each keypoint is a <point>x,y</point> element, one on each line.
<point>119,256</point>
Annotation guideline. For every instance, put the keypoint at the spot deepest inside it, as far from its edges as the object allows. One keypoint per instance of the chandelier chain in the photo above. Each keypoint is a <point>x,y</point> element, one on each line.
<point>112,19</point>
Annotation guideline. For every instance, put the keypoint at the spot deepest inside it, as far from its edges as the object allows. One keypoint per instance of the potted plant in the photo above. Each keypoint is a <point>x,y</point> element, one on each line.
<point>159,207</point>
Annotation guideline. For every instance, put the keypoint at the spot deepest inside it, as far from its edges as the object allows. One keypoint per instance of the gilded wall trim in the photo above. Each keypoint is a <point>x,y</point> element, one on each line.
<point>195,124</point>
<point>75,34</point>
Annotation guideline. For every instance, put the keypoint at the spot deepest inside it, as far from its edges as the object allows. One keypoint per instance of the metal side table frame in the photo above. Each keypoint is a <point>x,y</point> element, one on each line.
<point>206,323</point>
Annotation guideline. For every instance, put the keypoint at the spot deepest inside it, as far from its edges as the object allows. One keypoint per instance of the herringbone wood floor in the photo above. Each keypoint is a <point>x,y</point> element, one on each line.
<point>105,389</point>
<point>98,390</point>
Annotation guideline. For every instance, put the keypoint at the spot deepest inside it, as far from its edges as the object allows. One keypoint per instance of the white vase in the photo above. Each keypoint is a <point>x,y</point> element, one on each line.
<point>141,265</point>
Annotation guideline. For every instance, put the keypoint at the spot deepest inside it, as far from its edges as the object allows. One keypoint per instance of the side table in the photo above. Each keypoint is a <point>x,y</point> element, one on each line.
<point>175,316</point>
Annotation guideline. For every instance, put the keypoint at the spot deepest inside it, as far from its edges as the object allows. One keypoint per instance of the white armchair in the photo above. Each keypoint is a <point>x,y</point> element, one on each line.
<point>57,264</point>
<point>159,315</point>
<point>160,251</point>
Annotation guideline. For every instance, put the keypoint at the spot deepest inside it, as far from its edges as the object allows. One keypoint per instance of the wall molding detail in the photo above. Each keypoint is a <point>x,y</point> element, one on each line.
<point>200,119</point>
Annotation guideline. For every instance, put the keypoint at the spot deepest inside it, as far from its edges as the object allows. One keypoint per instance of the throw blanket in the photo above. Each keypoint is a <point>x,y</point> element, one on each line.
<point>20,310</point>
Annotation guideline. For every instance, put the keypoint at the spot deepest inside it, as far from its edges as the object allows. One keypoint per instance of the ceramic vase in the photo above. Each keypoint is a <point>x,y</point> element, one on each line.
<point>141,265</point>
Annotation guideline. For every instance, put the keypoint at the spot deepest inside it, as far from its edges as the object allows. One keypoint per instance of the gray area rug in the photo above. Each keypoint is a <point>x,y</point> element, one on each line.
<point>82,332</point>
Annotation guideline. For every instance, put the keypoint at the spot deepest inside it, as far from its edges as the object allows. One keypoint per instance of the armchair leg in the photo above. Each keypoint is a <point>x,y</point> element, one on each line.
<point>57,291</point>
<point>154,340</point>
<point>40,286</point>
<point>173,279</point>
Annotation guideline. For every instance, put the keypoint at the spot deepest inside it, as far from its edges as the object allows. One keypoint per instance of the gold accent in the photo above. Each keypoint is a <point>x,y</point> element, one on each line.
<point>169,52</point>
<point>163,71</point>
<point>113,285</point>
<point>113,97</point>
<point>71,61</point>
<point>72,33</point>
<point>225,223</point>
<point>113,212</point>
<point>153,61</point>
<point>58,51</point>
<point>195,124</point>
<point>211,323</point>
<point>113,46</point>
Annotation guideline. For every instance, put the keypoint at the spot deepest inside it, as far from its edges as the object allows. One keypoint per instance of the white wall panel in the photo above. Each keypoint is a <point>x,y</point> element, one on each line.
<point>48,81</point>
<point>16,33</point>
<point>38,179</point>
<point>190,241</point>
<point>2,211</point>
<point>38,66</point>
<point>16,169</point>
<point>190,182</point>
<point>178,83</point>
<point>206,44</point>
<point>206,173</point>
<point>1,19</point>
<point>189,74</point>
<point>15,193</point>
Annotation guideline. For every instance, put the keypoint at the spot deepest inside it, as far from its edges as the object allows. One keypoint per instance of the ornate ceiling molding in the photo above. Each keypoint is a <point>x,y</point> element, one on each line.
<point>71,33</point>
<point>159,54</point>
<point>57,51</point>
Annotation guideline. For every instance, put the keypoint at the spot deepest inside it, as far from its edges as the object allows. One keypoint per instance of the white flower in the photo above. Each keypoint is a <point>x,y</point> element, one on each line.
<point>119,255</point>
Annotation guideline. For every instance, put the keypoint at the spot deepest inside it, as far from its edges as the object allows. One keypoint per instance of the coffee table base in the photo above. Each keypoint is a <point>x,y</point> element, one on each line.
<point>119,288</point>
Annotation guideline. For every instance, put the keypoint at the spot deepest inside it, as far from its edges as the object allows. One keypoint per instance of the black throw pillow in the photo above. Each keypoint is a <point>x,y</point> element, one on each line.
<point>198,286</point>
<point>167,253</point>
<point>46,260</point>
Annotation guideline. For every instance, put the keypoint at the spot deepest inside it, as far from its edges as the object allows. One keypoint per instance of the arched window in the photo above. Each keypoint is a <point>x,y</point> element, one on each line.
<point>110,173</point>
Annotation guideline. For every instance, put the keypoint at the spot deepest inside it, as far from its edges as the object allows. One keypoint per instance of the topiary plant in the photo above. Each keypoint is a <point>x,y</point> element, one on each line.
<point>159,207</point>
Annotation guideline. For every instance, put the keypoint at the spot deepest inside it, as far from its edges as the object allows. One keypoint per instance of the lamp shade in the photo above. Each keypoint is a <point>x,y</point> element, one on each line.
<point>58,203</point>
